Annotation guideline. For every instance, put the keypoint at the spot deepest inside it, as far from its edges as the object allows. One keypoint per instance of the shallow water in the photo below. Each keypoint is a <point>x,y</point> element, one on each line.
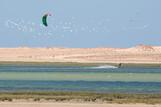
<point>79,78</point>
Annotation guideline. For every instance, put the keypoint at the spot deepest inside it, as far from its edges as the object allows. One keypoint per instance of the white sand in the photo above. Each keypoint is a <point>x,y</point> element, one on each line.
<point>34,104</point>
<point>138,54</point>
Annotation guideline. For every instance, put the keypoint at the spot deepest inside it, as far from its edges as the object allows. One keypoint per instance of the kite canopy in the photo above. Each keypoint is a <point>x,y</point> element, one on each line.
<point>44,19</point>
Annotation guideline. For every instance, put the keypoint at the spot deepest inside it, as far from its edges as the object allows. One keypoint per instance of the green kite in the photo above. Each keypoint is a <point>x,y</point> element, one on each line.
<point>44,19</point>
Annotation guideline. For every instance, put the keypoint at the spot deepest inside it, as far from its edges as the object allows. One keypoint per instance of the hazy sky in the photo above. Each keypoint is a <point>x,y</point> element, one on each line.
<point>80,23</point>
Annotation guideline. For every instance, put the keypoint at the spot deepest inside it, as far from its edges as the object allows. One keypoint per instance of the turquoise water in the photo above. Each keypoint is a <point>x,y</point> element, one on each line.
<point>79,78</point>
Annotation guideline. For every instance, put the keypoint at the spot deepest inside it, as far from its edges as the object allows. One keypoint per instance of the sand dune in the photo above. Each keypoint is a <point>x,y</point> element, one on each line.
<point>137,54</point>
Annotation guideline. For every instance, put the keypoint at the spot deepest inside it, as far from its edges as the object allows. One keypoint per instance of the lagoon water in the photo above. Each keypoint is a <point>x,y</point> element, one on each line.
<point>103,78</point>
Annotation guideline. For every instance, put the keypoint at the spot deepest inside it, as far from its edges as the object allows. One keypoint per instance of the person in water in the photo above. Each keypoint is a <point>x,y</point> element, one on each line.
<point>120,65</point>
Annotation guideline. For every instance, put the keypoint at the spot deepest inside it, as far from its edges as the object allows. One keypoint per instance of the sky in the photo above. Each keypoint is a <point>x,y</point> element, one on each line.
<point>80,23</point>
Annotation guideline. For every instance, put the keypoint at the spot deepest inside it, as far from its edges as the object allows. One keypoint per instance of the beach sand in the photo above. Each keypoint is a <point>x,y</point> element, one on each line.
<point>137,54</point>
<point>46,104</point>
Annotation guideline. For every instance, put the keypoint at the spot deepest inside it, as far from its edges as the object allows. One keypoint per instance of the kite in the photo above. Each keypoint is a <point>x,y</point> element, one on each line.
<point>44,19</point>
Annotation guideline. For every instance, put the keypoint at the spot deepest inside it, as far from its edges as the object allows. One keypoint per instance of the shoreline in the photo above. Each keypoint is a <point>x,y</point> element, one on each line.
<point>32,63</point>
<point>80,97</point>
<point>48,104</point>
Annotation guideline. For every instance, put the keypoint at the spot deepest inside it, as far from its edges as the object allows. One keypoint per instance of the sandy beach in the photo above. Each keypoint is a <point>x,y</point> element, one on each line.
<point>34,104</point>
<point>137,54</point>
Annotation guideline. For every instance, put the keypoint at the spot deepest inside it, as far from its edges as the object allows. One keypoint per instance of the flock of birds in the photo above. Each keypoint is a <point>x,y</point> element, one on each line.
<point>61,28</point>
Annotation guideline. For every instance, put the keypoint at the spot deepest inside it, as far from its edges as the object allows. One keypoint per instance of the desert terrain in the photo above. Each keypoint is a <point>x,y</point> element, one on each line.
<point>137,54</point>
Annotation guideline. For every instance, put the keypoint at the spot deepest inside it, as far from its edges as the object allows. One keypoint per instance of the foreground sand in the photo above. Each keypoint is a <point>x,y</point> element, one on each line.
<point>137,54</point>
<point>34,104</point>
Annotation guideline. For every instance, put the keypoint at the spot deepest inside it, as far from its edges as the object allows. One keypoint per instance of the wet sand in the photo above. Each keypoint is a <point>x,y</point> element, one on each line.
<point>46,104</point>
